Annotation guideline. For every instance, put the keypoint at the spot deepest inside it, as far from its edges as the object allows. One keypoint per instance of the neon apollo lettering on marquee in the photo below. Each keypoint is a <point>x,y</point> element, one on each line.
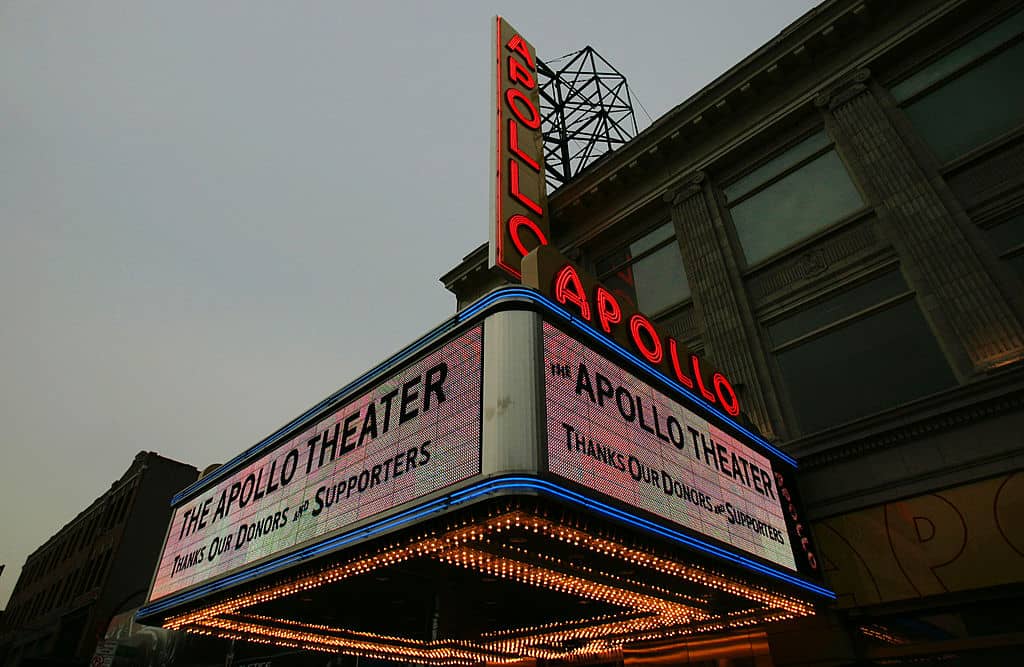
<point>551,273</point>
<point>568,289</point>
<point>415,432</point>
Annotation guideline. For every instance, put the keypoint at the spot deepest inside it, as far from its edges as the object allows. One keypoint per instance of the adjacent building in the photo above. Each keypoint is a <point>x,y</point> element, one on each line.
<point>97,565</point>
<point>838,223</point>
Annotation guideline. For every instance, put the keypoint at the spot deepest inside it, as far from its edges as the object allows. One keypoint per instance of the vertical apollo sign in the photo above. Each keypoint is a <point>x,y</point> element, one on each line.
<point>519,220</point>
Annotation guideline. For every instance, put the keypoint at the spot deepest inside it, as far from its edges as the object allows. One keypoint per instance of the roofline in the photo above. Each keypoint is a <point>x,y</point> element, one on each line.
<point>789,51</point>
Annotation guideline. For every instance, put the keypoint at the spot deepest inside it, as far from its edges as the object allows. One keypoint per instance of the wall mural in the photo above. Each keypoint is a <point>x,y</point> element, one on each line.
<point>965,537</point>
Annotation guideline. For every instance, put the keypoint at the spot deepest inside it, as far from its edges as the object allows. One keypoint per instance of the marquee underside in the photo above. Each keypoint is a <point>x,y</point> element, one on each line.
<point>509,578</point>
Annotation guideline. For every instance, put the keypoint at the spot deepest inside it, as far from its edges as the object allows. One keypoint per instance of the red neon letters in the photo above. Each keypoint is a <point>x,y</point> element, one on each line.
<point>518,45</point>
<point>513,95</point>
<point>608,310</point>
<point>651,347</point>
<point>513,145</point>
<point>515,222</point>
<point>644,337</point>
<point>518,73</point>
<point>513,184</point>
<point>569,289</point>
<point>520,192</point>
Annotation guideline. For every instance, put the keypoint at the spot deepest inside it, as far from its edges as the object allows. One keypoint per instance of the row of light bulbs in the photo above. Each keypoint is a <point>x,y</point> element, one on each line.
<point>648,611</point>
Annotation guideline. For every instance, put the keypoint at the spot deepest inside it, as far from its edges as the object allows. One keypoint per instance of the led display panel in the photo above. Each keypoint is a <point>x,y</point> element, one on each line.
<point>413,433</point>
<point>614,434</point>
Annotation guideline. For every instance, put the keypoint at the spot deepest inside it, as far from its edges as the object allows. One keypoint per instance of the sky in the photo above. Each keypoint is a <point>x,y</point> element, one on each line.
<point>212,215</point>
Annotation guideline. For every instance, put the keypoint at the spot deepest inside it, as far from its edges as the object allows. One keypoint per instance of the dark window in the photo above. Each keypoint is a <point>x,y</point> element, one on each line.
<point>1007,240</point>
<point>791,197</point>
<point>647,272</point>
<point>108,514</point>
<point>856,353</point>
<point>101,570</point>
<point>125,501</point>
<point>55,590</point>
<point>81,579</point>
<point>90,574</point>
<point>68,593</point>
<point>943,627</point>
<point>971,95</point>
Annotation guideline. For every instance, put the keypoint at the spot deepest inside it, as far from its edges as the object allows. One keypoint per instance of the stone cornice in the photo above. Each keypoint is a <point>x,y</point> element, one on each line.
<point>794,51</point>
<point>474,261</point>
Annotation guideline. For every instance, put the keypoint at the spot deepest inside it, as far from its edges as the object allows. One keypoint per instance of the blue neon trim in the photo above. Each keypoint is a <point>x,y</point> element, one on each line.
<point>467,495</point>
<point>335,399</point>
<point>506,293</point>
<point>674,535</point>
<point>509,293</point>
<point>498,296</point>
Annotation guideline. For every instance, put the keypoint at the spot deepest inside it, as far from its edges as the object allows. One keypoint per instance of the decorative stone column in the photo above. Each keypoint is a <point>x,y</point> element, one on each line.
<point>975,324</point>
<point>730,332</point>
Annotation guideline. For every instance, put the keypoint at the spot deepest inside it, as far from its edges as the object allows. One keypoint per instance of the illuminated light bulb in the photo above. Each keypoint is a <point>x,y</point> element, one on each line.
<point>666,614</point>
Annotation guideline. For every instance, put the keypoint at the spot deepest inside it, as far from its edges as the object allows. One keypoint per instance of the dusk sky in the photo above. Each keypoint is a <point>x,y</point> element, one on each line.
<point>214,214</point>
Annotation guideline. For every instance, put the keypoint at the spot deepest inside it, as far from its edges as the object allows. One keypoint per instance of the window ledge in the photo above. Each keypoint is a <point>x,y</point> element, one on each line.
<point>999,392</point>
<point>851,219</point>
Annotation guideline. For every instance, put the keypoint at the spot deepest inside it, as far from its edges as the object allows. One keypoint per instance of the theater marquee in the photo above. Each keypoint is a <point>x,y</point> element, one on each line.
<point>544,475</point>
<point>414,433</point>
<point>576,497</point>
<point>616,435</point>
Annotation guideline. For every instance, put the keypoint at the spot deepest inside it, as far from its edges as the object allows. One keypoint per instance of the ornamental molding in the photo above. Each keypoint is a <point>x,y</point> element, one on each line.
<point>691,186</point>
<point>842,91</point>
<point>915,427</point>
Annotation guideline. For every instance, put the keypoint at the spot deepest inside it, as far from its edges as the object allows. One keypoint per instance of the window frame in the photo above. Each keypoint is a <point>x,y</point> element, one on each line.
<point>773,349</point>
<point>842,321</point>
<point>827,293</point>
<point>958,72</point>
<point>946,166</point>
<point>986,223</point>
<point>624,243</point>
<point>775,150</point>
<point>799,164</point>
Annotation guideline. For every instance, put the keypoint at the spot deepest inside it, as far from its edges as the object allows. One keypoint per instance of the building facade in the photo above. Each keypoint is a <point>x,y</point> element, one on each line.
<point>97,565</point>
<point>837,222</point>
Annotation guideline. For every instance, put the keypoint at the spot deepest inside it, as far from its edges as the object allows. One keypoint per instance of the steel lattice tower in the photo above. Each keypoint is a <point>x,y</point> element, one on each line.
<point>587,111</point>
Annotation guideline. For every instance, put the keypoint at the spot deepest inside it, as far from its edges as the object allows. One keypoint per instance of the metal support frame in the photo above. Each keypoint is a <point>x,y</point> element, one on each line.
<point>587,111</point>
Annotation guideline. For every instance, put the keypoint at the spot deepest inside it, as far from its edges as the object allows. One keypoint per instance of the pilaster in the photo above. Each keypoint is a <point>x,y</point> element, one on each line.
<point>730,337</point>
<point>974,322</point>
